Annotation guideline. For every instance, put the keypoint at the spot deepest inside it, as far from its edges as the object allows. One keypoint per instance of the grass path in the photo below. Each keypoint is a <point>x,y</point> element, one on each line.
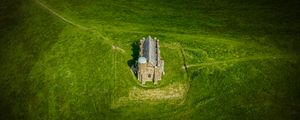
<point>78,25</point>
<point>241,60</point>
<point>60,16</point>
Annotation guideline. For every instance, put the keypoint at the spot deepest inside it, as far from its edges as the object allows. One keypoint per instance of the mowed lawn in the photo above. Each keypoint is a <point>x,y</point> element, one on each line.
<point>224,59</point>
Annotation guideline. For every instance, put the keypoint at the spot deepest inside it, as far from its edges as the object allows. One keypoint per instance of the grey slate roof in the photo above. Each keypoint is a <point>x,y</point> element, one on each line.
<point>150,50</point>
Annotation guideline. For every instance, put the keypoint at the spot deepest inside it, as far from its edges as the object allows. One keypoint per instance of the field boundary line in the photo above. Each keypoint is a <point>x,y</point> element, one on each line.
<point>239,60</point>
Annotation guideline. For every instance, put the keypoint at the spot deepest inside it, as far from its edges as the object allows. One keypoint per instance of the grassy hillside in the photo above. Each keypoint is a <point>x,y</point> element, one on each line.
<point>223,59</point>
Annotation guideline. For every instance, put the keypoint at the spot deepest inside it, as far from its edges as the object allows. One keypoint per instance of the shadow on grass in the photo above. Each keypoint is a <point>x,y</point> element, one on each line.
<point>18,90</point>
<point>134,55</point>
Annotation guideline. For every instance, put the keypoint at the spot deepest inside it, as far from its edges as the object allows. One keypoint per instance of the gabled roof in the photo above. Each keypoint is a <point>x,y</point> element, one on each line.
<point>150,50</point>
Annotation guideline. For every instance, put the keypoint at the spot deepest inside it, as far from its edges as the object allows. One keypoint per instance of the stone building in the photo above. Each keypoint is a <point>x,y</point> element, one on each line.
<point>150,66</point>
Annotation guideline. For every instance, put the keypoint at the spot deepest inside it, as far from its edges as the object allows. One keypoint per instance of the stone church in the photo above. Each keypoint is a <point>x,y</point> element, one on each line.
<point>150,66</point>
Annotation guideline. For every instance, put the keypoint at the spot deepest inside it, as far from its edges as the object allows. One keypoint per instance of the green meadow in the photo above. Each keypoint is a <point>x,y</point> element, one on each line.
<point>224,59</point>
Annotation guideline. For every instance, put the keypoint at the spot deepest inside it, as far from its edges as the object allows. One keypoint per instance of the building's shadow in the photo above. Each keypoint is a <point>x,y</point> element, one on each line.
<point>135,54</point>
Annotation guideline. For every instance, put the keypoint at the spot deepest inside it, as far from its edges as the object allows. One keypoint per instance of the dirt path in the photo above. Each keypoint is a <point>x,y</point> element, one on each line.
<point>240,60</point>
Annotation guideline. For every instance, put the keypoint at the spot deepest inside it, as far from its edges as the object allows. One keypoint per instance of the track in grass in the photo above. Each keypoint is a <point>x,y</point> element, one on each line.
<point>77,25</point>
<point>242,60</point>
<point>60,16</point>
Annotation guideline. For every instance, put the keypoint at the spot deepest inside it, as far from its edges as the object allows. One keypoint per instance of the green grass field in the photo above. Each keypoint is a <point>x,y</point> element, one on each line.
<point>225,59</point>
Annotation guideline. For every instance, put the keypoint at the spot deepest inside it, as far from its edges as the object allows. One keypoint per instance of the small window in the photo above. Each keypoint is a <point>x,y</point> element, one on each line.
<point>149,75</point>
